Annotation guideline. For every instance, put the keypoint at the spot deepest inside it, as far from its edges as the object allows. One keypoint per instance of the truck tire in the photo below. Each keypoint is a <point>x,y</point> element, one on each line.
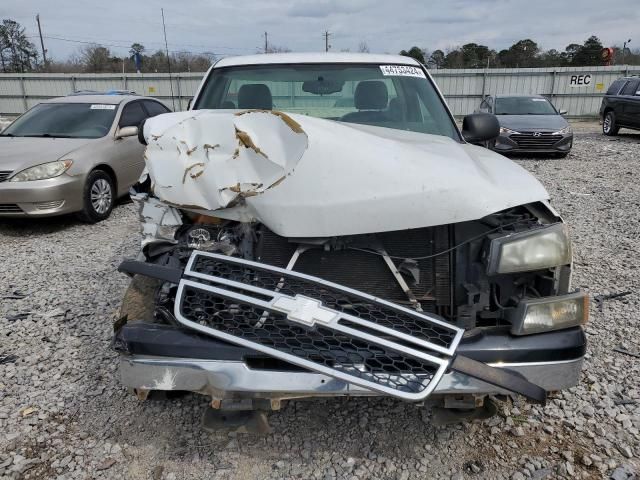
<point>609,125</point>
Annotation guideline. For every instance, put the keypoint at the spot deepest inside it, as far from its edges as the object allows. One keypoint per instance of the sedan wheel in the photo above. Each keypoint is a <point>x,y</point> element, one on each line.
<point>101,196</point>
<point>98,197</point>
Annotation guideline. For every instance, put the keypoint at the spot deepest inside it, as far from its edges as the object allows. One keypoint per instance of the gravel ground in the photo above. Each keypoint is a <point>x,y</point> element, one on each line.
<point>64,415</point>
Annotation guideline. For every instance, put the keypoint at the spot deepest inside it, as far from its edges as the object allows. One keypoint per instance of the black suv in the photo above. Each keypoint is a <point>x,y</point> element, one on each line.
<point>621,106</point>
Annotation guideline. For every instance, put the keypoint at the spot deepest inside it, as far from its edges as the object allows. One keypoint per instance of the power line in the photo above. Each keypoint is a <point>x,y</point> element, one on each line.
<point>166,45</point>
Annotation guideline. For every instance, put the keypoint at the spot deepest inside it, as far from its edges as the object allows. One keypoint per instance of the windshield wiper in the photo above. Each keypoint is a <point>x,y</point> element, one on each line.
<point>47,135</point>
<point>7,135</point>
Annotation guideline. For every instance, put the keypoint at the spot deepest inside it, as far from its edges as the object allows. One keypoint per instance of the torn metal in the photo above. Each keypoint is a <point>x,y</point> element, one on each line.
<point>209,161</point>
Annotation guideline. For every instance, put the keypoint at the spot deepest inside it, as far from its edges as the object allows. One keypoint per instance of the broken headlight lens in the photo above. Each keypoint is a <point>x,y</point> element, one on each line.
<point>531,250</point>
<point>42,172</point>
<point>549,313</point>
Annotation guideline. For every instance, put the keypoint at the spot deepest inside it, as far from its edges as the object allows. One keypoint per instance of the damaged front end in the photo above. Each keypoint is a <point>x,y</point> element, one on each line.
<point>231,300</point>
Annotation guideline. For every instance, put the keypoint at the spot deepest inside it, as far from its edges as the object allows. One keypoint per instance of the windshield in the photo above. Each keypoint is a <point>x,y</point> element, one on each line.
<point>392,96</point>
<point>524,106</point>
<point>64,120</point>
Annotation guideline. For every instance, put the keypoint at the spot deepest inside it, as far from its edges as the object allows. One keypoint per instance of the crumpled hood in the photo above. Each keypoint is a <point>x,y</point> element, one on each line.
<point>308,177</point>
<point>539,123</point>
<point>18,153</point>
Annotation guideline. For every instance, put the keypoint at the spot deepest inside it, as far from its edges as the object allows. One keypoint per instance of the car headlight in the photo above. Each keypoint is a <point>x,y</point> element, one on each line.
<point>546,314</point>
<point>507,130</point>
<point>566,130</point>
<point>42,172</point>
<point>531,250</point>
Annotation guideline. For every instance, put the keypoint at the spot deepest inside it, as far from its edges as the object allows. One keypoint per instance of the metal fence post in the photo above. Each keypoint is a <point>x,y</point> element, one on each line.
<point>179,94</point>
<point>553,84</point>
<point>73,84</point>
<point>24,94</point>
<point>484,83</point>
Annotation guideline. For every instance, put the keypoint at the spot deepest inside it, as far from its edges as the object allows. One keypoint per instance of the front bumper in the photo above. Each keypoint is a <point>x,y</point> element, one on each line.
<point>156,357</point>
<point>508,143</point>
<point>223,379</point>
<point>41,198</point>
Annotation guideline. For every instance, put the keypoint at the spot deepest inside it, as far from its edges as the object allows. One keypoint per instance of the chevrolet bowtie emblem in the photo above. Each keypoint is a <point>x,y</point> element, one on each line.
<point>305,310</point>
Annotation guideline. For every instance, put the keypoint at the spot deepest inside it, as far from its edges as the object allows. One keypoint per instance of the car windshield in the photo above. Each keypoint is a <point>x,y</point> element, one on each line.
<point>524,106</point>
<point>64,120</point>
<point>392,96</point>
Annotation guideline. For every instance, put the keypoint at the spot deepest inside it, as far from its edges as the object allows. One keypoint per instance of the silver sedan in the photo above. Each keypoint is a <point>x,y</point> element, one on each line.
<point>74,154</point>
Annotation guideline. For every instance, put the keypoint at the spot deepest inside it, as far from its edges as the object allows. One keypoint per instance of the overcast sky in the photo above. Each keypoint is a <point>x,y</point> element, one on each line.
<point>229,27</point>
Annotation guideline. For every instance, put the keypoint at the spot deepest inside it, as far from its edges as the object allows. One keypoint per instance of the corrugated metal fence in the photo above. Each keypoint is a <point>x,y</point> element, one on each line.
<point>577,90</point>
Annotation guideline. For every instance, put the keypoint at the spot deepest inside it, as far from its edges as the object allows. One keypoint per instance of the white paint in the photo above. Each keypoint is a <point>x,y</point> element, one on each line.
<point>316,57</point>
<point>351,179</point>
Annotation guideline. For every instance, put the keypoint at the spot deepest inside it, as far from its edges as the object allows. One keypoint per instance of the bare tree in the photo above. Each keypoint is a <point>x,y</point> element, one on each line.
<point>363,47</point>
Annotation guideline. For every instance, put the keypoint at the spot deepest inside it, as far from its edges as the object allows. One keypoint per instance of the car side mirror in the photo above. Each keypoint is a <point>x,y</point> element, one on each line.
<point>124,132</point>
<point>479,127</point>
<point>563,112</point>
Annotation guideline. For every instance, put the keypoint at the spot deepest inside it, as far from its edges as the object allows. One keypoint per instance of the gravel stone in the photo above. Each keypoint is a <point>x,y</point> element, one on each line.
<point>58,338</point>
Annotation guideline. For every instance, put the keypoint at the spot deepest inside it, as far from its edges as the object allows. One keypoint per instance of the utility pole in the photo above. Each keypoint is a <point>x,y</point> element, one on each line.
<point>166,47</point>
<point>266,42</point>
<point>326,41</point>
<point>44,52</point>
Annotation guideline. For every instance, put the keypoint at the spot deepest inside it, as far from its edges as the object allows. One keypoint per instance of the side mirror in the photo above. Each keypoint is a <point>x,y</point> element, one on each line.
<point>563,112</point>
<point>479,127</point>
<point>124,132</point>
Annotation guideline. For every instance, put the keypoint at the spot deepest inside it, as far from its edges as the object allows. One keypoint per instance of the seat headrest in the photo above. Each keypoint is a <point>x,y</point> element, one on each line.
<point>371,95</point>
<point>255,95</point>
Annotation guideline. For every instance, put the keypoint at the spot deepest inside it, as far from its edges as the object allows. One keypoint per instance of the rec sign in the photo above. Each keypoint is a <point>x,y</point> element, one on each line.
<point>583,80</point>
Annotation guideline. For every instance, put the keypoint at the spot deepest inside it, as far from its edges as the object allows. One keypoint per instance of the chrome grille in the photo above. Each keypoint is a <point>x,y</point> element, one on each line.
<point>4,174</point>
<point>337,331</point>
<point>533,140</point>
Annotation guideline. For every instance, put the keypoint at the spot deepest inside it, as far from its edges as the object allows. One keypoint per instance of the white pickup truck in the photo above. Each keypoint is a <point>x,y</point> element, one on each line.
<point>317,225</point>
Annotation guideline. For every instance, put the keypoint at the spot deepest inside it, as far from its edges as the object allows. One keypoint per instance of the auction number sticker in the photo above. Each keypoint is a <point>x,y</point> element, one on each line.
<point>103,107</point>
<point>402,71</point>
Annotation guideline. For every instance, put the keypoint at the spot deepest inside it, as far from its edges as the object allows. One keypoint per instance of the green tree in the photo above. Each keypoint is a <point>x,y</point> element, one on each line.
<point>589,53</point>
<point>436,59</point>
<point>136,48</point>
<point>96,58</point>
<point>414,52</point>
<point>17,53</point>
<point>523,53</point>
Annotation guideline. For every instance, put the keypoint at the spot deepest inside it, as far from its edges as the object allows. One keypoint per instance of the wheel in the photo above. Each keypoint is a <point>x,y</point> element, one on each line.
<point>98,197</point>
<point>609,126</point>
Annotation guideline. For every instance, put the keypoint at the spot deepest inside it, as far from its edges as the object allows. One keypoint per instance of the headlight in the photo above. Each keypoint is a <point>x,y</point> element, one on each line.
<point>549,313</point>
<point>531,250</point>
<point>566,130</point>
<point>507,130</point>
<point>42,172</point>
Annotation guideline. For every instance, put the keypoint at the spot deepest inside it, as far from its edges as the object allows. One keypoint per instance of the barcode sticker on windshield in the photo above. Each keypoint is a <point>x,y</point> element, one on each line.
<point>539,99</point>
<point>402,71</point>
<point>103,107</point>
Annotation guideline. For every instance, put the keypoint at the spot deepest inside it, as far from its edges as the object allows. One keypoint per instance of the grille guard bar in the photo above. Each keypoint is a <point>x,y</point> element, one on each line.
<point>404,364</point>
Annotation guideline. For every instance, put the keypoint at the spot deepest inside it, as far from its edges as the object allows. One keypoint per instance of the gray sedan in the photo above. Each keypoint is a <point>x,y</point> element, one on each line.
<point>528,124</point>
<point>73,154</point>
